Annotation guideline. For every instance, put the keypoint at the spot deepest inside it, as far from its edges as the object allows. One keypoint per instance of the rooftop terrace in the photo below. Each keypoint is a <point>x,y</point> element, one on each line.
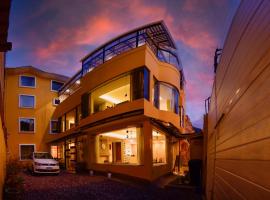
<point>155,35</point>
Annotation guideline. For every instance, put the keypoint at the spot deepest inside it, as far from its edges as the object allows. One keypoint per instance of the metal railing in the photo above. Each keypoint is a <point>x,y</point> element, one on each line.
<point>113,49</point>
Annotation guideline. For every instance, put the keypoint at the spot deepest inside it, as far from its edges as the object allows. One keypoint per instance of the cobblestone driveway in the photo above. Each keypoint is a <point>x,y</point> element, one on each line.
<point>73,186</point>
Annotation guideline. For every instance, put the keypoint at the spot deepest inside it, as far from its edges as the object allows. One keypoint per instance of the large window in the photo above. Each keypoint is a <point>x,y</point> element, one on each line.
<point>27,81</point>
<point>128,87</point>
<point>166,97</point>
<point>27,101</point>
<point>111,94</point>
<point>70,119</point>
<point>26,151</point>
<point>121,146</point>
<point>27,124</point>
<point>56,85</point>
<point>159,147</point>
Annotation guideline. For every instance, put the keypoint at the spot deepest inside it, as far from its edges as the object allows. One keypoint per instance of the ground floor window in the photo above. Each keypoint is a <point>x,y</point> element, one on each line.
<point>26,151</point>
<point>159,147</point>
<point>120,146</point>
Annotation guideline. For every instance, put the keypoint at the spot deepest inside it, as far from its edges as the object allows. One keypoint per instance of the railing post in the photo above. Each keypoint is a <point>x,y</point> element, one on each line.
<point>137,38</point>
<point>103,54</point>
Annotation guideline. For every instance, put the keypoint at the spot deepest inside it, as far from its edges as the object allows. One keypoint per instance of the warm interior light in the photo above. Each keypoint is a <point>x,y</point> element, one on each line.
<point>68,90</point>
<point>78,82</point>
<point>237,91</point>
<point>110,99</point>
<point>117,95</point>
<point>230,101</point>
<point>114,135</point>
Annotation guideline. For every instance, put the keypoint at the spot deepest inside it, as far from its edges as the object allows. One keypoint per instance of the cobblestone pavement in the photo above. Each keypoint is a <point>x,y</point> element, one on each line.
<point>73,186</point>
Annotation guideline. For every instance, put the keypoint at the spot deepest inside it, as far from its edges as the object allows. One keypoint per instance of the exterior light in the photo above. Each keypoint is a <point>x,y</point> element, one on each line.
<point>68,90</point>
<point>237,91</point>
<point>230,102</point>
<point>78,82</point>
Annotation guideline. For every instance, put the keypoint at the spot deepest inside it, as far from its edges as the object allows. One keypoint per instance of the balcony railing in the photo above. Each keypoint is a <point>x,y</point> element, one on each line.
<point>120,45</point>
<point>125,44</point>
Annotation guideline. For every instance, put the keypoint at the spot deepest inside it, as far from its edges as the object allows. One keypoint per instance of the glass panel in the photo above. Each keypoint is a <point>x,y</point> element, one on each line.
<point>56,85</point>
<point>110,95</point>
<point>27,124</point>
<point>27,101</point>
<point>27,81</point>
<point>159,147</point>
<point>26,151</point>
<point>166,98</point>
<point>120,146</point>
<point>70,119</point>
<point>54,127</point>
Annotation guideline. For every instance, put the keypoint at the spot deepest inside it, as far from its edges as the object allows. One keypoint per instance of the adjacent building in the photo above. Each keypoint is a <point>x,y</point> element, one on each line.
<point>238,122</point>
<point>4,47</point>
<point>30,100</point>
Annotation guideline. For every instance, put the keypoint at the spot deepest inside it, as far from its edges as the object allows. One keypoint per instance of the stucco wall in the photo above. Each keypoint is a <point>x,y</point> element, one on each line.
<point>42,112</point>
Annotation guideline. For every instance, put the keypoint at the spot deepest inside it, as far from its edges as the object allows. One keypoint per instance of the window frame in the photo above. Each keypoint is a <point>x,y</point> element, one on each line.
<point>20,150</point>
<point>50,131</point>
<point>52,84</point>
<point>156,85</point>
<point>30,95</point>
<point>20,85</point>
<point>20,131</point>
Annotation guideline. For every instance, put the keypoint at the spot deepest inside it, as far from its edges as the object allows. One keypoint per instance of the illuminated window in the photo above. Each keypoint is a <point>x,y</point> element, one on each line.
<point>120,146</point>
<point>111,94</point>
<point>70,119</point>
<point>159,147</point>
<point>166,97</point>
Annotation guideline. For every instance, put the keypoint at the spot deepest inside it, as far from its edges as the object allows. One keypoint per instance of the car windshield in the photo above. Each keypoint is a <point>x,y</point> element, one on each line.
<point>43,156</point>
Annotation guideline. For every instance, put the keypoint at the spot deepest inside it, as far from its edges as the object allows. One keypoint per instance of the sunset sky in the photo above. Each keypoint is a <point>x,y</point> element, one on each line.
<point>54,35</point>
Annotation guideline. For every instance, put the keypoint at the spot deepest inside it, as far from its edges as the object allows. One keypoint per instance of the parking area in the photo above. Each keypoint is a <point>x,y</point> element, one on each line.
<point>75,186</point>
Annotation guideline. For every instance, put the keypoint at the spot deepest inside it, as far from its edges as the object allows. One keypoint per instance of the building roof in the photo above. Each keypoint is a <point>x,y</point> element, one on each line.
<point>158,32</point>
<point>36,71</point>
<point>4,23</point>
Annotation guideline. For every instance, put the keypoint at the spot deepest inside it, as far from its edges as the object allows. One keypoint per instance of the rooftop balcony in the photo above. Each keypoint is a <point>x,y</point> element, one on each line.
<point>155,35</point>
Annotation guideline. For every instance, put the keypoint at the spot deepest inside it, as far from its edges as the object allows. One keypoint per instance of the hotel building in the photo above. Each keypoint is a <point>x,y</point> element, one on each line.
<point>30,99</point>
<point>123,112</point>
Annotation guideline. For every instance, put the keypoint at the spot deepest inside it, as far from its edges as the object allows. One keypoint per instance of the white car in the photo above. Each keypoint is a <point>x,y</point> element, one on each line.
<point>43,162</point>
